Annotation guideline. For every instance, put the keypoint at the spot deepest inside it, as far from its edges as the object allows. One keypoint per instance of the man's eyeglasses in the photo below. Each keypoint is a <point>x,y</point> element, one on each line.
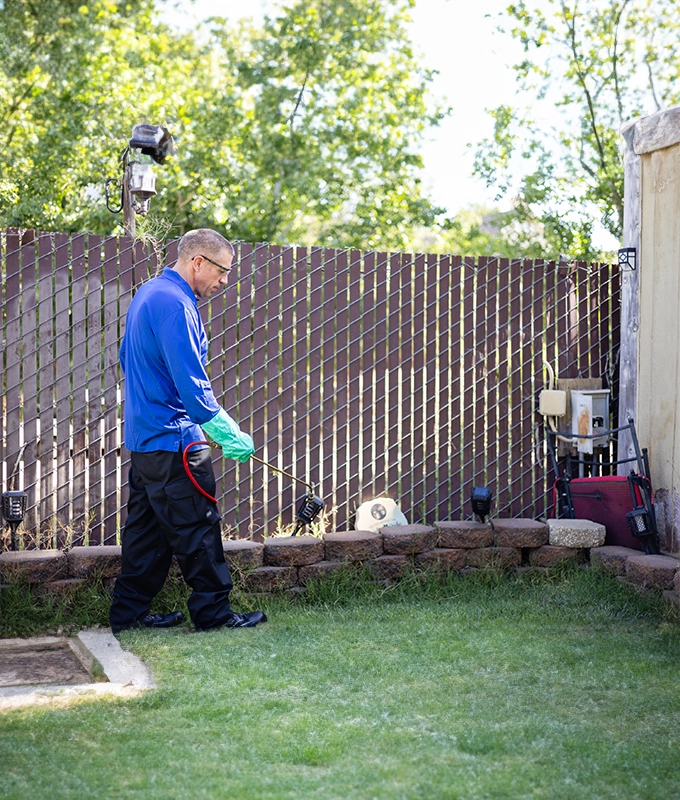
<point>226,270</point>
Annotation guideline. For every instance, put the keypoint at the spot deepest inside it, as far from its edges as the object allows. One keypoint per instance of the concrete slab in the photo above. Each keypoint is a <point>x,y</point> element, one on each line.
<point>122,674</point>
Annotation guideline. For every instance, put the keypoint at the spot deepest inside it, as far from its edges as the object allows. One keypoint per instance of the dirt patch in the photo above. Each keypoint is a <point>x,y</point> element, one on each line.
<point>41,661</point>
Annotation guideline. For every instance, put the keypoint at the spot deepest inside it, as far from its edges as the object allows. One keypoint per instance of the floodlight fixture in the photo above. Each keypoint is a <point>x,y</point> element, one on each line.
<point>480,499</point>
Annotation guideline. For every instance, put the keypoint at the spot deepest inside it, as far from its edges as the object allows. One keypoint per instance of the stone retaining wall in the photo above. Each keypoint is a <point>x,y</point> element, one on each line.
<point>285,563</point>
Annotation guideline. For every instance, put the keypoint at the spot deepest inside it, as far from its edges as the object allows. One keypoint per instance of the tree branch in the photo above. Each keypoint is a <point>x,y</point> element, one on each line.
<point>291,118</point>
<point>615,71</point>
<point>591,106</point>
<point>651,83</point>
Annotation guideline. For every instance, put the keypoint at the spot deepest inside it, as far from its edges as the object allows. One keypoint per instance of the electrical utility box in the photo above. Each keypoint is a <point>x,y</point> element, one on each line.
<point>589,413</point>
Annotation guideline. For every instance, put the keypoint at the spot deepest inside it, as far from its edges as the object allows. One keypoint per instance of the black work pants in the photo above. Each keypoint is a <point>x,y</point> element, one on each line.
<point>166,515</point>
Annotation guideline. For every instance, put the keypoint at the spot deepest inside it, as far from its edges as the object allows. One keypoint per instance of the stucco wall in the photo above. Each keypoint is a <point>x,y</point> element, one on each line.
<point>659,353</point>
<point>656,145</point>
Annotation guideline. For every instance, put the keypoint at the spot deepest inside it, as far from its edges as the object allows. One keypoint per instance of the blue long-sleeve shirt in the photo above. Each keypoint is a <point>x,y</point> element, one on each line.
<point>163,355</point>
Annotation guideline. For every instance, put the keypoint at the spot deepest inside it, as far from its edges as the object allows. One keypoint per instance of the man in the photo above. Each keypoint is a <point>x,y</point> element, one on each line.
<point>167,397</point>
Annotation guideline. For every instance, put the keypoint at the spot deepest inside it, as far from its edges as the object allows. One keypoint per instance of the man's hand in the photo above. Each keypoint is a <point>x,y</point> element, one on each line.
<point>234,442</point>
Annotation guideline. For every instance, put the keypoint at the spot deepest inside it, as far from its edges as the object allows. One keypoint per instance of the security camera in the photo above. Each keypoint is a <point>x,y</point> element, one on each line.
<point>142,187</point>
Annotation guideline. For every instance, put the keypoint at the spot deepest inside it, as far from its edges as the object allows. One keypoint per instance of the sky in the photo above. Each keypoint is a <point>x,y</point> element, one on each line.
<point>458,38</point>
<point>455,37</point>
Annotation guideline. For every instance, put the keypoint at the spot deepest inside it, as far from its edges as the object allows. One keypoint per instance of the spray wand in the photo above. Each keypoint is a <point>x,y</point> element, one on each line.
<point>309,507</point>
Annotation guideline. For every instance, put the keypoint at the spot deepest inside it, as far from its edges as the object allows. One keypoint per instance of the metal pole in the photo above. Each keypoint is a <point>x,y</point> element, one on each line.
<point>129,221</point>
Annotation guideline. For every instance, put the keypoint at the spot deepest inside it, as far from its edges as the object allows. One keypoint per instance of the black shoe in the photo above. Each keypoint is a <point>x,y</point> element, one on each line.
<point>247,620</point>
<point>163,620</point>
<point>153,621</point>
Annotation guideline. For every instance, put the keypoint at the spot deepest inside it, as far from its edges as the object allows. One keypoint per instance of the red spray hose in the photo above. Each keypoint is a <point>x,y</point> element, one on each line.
<point>212,499</point>
<point>185,459</point>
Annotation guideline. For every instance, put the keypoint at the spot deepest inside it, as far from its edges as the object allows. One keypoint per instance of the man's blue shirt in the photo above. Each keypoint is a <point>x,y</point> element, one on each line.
<point>163,356</point>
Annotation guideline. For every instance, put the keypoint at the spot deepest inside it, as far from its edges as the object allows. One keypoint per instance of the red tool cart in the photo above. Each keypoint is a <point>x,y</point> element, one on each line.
<point>624,504</point>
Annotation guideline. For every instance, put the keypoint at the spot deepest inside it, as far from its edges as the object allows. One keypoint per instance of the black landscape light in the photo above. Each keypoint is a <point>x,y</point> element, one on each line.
<point>309,508</point>
<point>14,511</point>
<point>480,499</point>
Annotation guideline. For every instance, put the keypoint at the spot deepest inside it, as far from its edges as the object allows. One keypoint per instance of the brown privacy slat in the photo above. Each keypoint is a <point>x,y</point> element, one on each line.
<point>327,433</point>
<point>3,352</point>
<point>515,366</point>
<point>273,399</point>
<point>239,478</point>
<point>215,310</point>
<point>614,333</point>
<point>225,471</point>
<point>430,386</point>
<point>606,290</point>
<point>287,379</point>
<point>565,338</point>
<point>417,369</point>
<point>313,439</point>
<point>550,324</point>
<point>94,386</point>
<point>126,260</point>
<point>468,381</point>
<point>110,391</point>
<point>217,313</point>
<point>598,368</point>
<point>480,423</point>
<point>302,285</point>
<point>448,385</point>
<point>63,387</point>
<point>405,386</point>
<point>12,353</point>
<point>583,319</point>
<point>540,486</point>
<point>258,382</point>
<point>369,335</point>
<point>393,411</point>
<point>528,394</point>
<point>490,367</point>
<point>342,379</point>
<point>29,366</point>
<point>504,458</point>
<point>354,388</point>
<point>46,387</point>
<point>357,355</point>
<point>378,431</point>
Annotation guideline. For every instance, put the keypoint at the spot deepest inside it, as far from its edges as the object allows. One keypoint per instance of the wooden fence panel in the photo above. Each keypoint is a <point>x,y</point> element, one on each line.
<point>352,344</point>
<point>369,374</point>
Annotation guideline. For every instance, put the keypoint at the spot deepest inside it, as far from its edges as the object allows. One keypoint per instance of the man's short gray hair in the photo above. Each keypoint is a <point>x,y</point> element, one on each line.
<point>194,242</point>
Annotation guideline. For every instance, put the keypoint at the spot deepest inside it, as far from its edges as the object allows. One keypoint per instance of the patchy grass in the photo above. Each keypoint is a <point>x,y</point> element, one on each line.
<point>486,686</point>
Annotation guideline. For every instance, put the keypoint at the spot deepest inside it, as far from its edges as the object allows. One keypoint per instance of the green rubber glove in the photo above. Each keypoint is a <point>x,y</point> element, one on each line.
<point>226,433</point>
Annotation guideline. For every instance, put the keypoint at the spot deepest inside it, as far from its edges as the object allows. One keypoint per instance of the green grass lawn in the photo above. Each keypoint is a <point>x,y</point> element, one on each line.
<point>478,687</point>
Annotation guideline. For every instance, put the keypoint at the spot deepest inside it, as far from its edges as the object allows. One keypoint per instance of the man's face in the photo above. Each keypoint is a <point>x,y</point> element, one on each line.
<point>211,273</point>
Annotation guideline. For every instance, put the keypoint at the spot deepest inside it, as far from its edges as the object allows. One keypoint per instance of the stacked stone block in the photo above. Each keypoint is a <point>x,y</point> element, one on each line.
<point>289,563</point>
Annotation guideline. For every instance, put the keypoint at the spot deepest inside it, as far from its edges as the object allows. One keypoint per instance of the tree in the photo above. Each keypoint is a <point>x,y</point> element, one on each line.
<point>304,130</point>
<point>600,63</point>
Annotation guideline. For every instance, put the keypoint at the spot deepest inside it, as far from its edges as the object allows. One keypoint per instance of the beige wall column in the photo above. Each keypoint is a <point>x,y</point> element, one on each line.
<point>650,314</point>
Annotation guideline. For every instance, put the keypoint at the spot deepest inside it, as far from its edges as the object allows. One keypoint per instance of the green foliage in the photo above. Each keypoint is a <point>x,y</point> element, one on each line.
<point>306,130</point>
<point>601,63</point>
